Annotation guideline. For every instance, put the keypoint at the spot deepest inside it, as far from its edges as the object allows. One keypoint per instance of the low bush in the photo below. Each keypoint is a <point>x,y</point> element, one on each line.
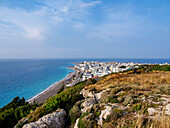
<point>137,107</point>
<point>87,120</point>
<point>75,112</point>
<point>14,111</point>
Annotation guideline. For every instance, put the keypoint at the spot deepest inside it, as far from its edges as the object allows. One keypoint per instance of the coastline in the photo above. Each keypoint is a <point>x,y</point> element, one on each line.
<point>50,91</point>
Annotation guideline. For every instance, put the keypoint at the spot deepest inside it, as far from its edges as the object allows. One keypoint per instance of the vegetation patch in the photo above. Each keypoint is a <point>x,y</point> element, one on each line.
<point>14,111</point>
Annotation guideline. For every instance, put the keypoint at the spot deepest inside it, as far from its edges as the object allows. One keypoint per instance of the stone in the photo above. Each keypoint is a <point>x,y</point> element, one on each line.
<point>167,109</point>
<point>76,124</point>
<point>87,104</point>
<point>152,111</point>
<point>87,94</point>
<point>52,120</point>
<point>99,95</point>
<point>104,114</point>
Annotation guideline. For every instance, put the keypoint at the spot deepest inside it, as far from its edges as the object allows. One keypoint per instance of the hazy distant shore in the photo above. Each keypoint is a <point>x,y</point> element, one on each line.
<point>50,91</point>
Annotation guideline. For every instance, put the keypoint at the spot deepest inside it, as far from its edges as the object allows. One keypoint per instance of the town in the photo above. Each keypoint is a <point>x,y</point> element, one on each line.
<point>99,69</point>
<point>95,69</point>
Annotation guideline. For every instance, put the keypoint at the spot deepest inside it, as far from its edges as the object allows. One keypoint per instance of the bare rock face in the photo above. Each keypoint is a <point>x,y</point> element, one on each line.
<point>52,120</point>
<point>87,104</point>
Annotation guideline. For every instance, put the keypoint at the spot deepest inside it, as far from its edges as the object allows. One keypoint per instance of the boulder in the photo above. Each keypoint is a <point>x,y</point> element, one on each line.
<point>99,95</point>
<point>167,109</point>
<point>104,114</point>
<point>52,120</point>
<point>152,111</point>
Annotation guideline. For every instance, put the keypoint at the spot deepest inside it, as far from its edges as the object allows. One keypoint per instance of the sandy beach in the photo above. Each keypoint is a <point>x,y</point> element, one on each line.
<point>50,91</point>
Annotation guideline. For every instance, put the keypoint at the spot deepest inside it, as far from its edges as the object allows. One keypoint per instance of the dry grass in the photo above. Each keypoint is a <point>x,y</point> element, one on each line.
<point>162,121</point>
<point>144,84</point>
<point>145,80</point>
<point>158,121</point>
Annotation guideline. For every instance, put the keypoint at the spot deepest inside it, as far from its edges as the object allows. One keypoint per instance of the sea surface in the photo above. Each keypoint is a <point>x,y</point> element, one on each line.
<point>28,77</point>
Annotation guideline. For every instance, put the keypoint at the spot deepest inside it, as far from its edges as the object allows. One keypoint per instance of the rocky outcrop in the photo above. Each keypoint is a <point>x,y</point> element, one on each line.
<point>106,112</point>
<point>98,108</point>
<point>87,93</point>
<point>52,120</point>
<point>99,95</point>
<point>87,104</point>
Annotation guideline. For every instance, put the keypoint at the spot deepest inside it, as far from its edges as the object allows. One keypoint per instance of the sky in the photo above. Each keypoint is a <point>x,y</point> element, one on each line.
<point>84,28</point>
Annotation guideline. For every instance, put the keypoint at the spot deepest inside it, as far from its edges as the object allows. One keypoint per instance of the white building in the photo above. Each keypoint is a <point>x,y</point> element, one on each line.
<point>86,76</point>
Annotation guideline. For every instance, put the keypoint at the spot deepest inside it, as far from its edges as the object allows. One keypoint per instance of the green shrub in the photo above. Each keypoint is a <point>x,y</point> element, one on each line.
<point>87,120</point>
<point>65,99</point>
<point>165,89</point>
<point>112,99</point>
<point>128,99</point>
<point>155,67</point>
<point>137,107</point>
<point>81,123</point>
<point>61,89</point>
<point>14,111</point>
<point>75,113</point>
<point>115,90</point>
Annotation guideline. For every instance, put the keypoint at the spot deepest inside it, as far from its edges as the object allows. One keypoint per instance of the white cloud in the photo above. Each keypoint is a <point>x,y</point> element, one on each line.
<point>72,9</point>
<point>33,33</point>
<point>93,3</point>
<point>28,24</point>
<point>66,8</point>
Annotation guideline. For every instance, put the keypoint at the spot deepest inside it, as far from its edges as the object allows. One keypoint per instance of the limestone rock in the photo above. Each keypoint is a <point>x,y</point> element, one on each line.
<point>76,124</point>
<point>167,109</point>
<point>87,94</point>
<point>52,120</point>
<point>99,95</point>
<point>104,114</point>
<point>87,104</point>
<point>152,111</point>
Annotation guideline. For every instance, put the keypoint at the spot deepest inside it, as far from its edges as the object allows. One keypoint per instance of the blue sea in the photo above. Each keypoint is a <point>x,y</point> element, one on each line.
<point>28,77</point>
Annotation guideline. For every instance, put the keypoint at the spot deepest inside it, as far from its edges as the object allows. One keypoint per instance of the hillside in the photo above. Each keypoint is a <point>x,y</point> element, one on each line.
<point>127,99</point>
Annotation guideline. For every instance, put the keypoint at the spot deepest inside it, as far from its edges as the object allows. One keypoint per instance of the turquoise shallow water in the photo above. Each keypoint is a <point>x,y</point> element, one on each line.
<point>28,77</point>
